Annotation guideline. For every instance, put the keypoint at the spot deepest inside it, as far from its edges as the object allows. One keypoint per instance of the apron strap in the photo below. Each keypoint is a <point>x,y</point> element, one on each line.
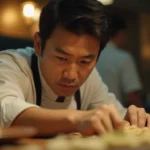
<point>36,77</point>
<point>78,99</point>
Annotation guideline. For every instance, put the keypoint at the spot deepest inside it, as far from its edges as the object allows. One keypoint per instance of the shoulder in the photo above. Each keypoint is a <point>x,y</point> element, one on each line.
<point>18,55</point>
<point>16,59</point>
<point>26,53</point>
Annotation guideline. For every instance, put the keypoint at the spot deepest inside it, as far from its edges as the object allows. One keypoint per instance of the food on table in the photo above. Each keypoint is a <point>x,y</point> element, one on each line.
<point>130,137</point>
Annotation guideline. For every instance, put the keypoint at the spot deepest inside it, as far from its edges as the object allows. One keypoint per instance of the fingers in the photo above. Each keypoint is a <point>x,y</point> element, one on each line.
<point>111,119</point>
<point>107,123</point>
<point>91,125</point>
<point>118,122</point>
<point>132,115</point>
<point>141,115</point>
<point>101,120</point>
<point>98,126</point>
<point>104,119</point>
<point>136,116</point>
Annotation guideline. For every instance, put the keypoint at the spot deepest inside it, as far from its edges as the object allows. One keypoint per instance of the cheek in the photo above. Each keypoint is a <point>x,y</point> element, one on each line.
<point>57,73</point>
<point>50,69</point>
<point>85,73</point>
<point>47,64</point>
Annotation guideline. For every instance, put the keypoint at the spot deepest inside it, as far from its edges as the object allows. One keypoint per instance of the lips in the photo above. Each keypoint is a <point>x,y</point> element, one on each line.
<point>68,86</point>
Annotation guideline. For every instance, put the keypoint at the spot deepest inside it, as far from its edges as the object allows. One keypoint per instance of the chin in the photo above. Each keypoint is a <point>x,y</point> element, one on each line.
<point>65,92</point>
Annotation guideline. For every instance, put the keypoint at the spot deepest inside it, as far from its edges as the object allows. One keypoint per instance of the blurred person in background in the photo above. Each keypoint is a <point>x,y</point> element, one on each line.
<point>117,67</point>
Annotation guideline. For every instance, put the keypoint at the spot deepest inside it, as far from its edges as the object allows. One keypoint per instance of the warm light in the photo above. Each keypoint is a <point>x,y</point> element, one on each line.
<point>31,12</point>
<point>106,2</point>
<point>36,14</point>
<point>9,17</point>
<point>28,10</point>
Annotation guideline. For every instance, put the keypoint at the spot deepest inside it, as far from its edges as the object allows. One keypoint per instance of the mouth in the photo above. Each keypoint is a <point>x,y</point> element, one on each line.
<point>68,86</point>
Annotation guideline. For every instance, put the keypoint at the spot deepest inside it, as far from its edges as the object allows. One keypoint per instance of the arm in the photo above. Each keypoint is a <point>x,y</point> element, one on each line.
<point>12,97</point>
<point>51,122</point>
<point>48,122</point>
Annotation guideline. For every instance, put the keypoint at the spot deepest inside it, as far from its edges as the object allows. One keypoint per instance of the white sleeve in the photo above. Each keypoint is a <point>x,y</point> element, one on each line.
<point>12,100</point>
<point>101,95</point>
<point>130,80</point>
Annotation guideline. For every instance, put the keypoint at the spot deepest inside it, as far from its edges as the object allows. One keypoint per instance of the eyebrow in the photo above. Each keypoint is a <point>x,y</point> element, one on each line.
<point>59,50</point>
<point>91,56</point>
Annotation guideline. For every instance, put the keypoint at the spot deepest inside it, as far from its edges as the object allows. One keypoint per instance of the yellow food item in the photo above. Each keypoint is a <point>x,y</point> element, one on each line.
<point>75,143</point>
<point>142,134</point>
<point>137,131</point>
<point>130,137</point>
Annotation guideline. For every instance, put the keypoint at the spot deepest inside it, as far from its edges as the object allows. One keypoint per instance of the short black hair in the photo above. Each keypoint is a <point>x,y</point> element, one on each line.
<point>117,24</point>
<point>77,16</point>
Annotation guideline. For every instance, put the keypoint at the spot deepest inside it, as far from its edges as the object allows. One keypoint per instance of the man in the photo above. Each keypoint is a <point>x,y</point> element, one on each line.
<point>117,67</point>
<point>63,79</point>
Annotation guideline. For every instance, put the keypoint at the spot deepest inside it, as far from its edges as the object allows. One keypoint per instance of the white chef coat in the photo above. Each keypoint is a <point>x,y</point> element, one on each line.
<point>17,89</point>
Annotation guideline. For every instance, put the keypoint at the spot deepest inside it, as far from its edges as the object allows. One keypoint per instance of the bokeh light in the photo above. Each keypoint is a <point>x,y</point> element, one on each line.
<point>106,2</point>
<point>28,10</point>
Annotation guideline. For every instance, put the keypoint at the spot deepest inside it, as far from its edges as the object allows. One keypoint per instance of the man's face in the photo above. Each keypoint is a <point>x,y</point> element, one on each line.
<point>67,60</point>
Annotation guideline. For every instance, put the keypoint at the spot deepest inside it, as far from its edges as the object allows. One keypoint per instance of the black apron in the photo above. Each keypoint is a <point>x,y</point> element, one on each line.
<point>37,82</point>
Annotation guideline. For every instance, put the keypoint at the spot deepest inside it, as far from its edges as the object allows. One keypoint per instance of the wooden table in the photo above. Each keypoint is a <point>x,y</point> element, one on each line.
<point>40,144</point>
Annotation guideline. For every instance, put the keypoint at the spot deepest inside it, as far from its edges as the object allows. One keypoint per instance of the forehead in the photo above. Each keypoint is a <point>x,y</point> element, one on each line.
<point>64,38</point>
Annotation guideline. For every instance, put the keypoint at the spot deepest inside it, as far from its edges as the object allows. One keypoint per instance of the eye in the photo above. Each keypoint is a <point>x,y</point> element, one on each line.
<point>62,58</point>
<point>84,62</point>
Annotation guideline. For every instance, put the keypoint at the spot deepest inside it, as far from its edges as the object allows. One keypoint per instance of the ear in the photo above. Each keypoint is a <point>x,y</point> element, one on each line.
<point>37,44</point>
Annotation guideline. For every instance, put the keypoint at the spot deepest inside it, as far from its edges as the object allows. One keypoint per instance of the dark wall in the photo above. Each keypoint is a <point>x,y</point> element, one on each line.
<point>14,43</point>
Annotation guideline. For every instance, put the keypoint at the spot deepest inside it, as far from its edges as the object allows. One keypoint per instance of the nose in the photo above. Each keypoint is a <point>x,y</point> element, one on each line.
<point>71,73</point>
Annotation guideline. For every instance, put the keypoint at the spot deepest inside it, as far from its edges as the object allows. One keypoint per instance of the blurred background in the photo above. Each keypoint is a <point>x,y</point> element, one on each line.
<point>19,21</point>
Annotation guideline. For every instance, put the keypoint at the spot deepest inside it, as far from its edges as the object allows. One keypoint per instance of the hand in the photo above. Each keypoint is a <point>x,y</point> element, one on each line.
<point>101,120</point>
<point>137,116</point>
